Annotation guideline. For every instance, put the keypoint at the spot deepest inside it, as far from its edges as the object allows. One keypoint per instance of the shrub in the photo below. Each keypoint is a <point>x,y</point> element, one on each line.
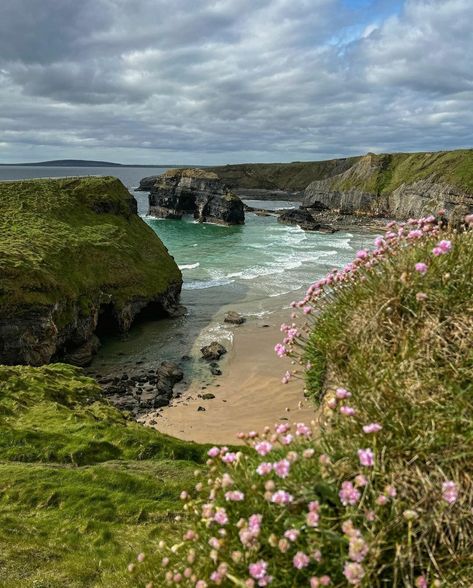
<point>377,490</point>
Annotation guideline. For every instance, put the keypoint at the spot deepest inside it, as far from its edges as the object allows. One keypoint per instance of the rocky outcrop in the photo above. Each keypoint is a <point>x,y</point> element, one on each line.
<point>146,184</point>
<point>77,263</point>
<point>213,351</point>
<point>396,186</point>
<point>195,192</point>
<point>304,219</point>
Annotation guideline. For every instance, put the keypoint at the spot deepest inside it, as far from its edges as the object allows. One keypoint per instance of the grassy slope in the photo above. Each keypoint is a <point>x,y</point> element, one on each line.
<point>46,224</point>
<point>393,170</point>
<point>409,365</point>
<point>453,167</point>
<point>82,489</point>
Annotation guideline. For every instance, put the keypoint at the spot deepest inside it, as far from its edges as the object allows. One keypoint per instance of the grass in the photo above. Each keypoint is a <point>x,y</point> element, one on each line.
<point>74,239</point>
<point>400,360</point>
<point>82,488</point>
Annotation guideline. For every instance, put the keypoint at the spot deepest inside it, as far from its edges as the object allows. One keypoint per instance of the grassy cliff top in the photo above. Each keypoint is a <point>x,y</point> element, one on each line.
<point>387,172</point>
<point>81,487</point>
<point>64,238</point>
<point>201,174</point>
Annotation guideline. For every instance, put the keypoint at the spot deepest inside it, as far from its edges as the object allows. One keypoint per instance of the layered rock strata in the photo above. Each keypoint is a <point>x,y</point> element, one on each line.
<point>195,192</point>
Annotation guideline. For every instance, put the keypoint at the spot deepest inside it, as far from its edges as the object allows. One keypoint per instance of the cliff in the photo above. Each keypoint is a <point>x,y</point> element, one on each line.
<point>197,192</point>
<point>76,261</point>
<point>400,186</point>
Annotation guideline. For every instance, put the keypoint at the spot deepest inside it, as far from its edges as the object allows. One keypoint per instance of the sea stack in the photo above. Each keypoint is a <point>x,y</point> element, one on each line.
<point>196,192</point>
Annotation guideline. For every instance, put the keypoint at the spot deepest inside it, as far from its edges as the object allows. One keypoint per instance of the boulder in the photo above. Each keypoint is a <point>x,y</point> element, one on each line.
<point>170,371</point>
<point>303,218</point>
<point>213,351</point>
<point>234,318</point>
<point>195,192</point>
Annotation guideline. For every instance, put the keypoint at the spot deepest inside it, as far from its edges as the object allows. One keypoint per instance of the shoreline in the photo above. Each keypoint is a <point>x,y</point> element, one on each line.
<point>247,396</point>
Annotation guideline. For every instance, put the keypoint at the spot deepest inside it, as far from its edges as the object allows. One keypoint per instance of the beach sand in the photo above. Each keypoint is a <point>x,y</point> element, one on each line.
<point>248,395</point>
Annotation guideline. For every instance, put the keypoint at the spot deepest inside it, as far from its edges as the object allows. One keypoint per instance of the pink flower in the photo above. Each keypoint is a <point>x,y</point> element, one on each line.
<point>282,428</point>
<point>264,468</point>
<point>282,497</point>
<point>213,452</point>
<point>349,494</point>
<point>285,379</point>
<point>421,267</point>
<point>382,500</point>
<point>366,457</point>
<point>372,428</point>
<point>221,516</point>
<point>437,251</point>
<point>201,584</point>
<point>449,492</point>
<point>234,496</point>
<point>362,254</point>
<point>263,447</point>
<point>360,481</point>
<point>347,410</point>
<point>353,572</point>
<point>445,246</point>
<point>280,350</point>
<point>324,459</point>
<point>332,403</point>
<point>312,519</point>
<point>287,439</point>
<point>341,393</point>
<point>391,491</point>
<point>415,234</point>
<point>317,582</point>
<point>421,582</point>
<point>307,309</point>
<point>302,430</point>
<point>308,453</point>
<point>229,457</point>
<point>357,549</point>
<point>300,560</point>
<point>254,522</point>
<point>258,570</point>
<point>281,468</point>
<point>292,534</point>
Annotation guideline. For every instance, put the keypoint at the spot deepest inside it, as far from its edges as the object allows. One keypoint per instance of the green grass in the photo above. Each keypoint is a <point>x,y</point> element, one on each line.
<point>72,239</point>
<point>82,489</point>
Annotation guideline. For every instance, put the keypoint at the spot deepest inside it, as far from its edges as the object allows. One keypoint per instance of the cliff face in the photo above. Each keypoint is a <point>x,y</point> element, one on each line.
<point>76,262</point>
<point>197,192</point>
<point>398,186</point>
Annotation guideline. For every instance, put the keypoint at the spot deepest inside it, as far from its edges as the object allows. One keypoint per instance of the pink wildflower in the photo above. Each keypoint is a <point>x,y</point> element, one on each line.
<point>349,494</point>
<point>280,350</point>
<point>312,518</point>
<point>234,496</point>
<point>421,267</point>
<point>445,246</point>
<point>287,439</point>
<point>347,410</point>
<point>341,393</point>
<point>213,452</point>
<point>229,457</point>
<point>449,492</point>
<point>382,500</point>
<point>366,457</point>
<point>421,582</point>
<point>282,497</point>
<point>303,430</point>
<point>360,481</point>
<point>263,447</point>
<point>264,468</point>
<point>201,584</point>
<point>281,468</point>
<point>391,491</point>
<point>357,549</point>
<point>372,428</point>
<point>292,534</point>
<point>300,560</point>
<point>308,453</point>
<point>282,428</point>
<point>414,234</point>
<point>353,572</point>
<point>307,309</point>
<point>362,254</point>
<point>221,516</point>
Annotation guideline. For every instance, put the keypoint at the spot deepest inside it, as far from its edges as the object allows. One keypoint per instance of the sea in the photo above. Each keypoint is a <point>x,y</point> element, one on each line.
<point>256,269</point>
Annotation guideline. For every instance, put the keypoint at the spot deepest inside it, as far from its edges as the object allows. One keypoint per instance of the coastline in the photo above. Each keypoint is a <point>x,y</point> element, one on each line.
<point>248,395</point>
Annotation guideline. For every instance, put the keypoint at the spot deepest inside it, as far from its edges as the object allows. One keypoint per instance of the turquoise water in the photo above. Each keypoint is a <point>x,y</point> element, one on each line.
<point>256,269</point>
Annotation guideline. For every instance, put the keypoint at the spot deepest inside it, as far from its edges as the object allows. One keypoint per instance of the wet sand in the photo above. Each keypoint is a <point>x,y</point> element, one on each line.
<point>248,395</point>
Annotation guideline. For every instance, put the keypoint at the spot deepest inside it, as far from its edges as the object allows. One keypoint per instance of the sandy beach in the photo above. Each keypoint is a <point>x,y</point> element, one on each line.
<point>248,395</point>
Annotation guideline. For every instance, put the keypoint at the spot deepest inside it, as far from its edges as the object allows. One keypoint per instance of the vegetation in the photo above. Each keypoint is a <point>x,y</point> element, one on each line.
<point>70,239</point>
<point>377,173</point>
<point>378,490</point>
<point>81,487</point>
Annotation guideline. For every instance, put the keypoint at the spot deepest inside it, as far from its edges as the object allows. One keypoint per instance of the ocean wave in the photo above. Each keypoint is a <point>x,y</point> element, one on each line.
<point>189,266</point>
<point>204,284</point>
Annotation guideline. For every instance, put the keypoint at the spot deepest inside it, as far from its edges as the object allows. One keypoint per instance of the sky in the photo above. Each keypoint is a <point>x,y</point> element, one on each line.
<point>228,81</point>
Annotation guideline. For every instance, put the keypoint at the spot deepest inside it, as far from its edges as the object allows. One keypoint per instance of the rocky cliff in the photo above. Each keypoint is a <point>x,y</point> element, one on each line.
<point>398,186</point>
<point>76,262</point>
<point>196,192</point>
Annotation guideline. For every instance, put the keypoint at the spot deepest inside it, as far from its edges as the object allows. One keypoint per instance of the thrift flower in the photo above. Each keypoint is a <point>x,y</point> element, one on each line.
<point>264,468</point>
<point>281,468</point>
<point>366,457</point>
<point>282,497</point>
<point>421,267</point>
<point>372,428</point>
<point>353,572</point>
<point>449,492</point>
<point>347,410</point>
<point>349,494</point>
<point>300,560</point>
<point>263,447</point>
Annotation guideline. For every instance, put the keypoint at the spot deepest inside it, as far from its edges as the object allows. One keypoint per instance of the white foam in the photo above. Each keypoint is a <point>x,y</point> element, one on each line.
<point>204,284</point>
<point>189,266</point>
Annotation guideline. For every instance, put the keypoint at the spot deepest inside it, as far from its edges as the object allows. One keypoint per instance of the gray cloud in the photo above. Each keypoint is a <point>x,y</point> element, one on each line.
<point>232,80</point>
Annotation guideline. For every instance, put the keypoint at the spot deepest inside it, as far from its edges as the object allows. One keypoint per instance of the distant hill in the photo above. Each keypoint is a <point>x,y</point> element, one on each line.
<point>80,163</point>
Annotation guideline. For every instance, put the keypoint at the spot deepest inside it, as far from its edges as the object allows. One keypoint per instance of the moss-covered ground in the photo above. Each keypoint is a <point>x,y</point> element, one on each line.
<point>82,488</point>
<point>66,239</point>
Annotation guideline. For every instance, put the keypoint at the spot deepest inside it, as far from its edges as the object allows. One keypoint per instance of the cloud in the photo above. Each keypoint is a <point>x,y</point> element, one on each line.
<point>206,81</point>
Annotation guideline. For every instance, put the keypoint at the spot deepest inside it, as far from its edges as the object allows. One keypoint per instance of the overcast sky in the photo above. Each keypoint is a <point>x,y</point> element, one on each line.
<point>221,81</point>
